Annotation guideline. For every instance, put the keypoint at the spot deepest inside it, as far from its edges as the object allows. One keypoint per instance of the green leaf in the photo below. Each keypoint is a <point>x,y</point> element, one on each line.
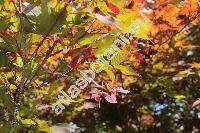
<point>86,40</point>
<point>77,19</point>
<point>179,97</point>
<point>36,2</point>
<point>158,66</point>
<point>28,122</point>
<point>108,70</point>
<point>6,47</point>
<point>6,127</point>
<point>43,127</point>
<point>103,44</point>
<point>32,67</point>
<point>19,62</point>
<point>15,23</point>
<point>126,70</point>
<point>44,21</point>
<point>134,23</point>
<point>65,101</point>
<point>44,18</point>
<point>7,101</point>
<point>1,1</point>
<point>4,24</point>
<point>9,40</point>
<point>119,58</point>
<point>28,26</point>
<point>4,60</point>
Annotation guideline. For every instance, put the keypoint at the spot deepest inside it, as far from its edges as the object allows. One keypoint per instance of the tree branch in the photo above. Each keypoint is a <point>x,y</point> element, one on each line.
<point>42,64</point>
<point>50,30</point>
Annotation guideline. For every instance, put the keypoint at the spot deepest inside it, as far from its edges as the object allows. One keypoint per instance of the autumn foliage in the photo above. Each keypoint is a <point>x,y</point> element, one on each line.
<point>148,52</point>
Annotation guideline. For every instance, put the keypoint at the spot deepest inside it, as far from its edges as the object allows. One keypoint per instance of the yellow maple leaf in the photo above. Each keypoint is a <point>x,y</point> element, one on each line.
<point>54,3</point>
<point>195,65</point>
<point>134,23</point>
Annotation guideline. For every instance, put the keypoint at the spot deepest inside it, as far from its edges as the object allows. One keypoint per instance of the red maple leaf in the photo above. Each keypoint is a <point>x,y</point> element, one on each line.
<point>113,8</point>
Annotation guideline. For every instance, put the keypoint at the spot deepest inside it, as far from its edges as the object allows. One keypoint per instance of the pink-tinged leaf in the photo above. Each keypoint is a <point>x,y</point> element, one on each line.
<point>65,50</point>
<point>113,8</point>
<point>96,96</point>
<point>196,103</point>
<point>147,119</point>
<point>120,90</point>
<point>109,98</point>
<point>133,42</point>
<point>138,56</point>
<point>56,38</point>
<point>48,38</point>
<point>74,62</point>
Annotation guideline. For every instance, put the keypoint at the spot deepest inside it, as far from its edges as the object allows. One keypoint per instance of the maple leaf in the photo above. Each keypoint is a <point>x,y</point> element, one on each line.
<point>96,95</point>
<point>109,98</point>
<point>120,90</point>
<point>56,38</point>
<point>147,119</point>
<point>134,23</point>
<point>113,7</point>
<point>104,19</point>
<point>196,103</point>
<point>99,15</point>
<point>74,61</point>
<point>133,42</point>
<point>138,56</point>
<point>129,4</point>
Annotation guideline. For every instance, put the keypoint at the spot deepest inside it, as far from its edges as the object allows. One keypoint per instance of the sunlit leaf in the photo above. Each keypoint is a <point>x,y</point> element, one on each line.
<point>126,70</point>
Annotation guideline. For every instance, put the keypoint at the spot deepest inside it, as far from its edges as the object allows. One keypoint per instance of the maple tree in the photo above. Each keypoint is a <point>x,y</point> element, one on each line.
<point>148,51</point>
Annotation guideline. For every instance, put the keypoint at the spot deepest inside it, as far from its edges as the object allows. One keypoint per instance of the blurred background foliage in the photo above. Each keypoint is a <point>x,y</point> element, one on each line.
<point>43,49</point>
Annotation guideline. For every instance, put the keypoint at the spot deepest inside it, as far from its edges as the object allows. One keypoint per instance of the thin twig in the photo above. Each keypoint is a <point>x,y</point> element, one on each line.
<point>42,64</point>
<point>189,21</point>
<point>75,41</point>
<point>60,15</point>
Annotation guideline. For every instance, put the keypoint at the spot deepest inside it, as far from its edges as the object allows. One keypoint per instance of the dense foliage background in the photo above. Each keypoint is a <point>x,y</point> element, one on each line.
<point>45,44</point>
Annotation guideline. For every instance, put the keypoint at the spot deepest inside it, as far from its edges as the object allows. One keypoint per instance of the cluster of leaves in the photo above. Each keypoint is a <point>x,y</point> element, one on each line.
<point>44,44</point>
